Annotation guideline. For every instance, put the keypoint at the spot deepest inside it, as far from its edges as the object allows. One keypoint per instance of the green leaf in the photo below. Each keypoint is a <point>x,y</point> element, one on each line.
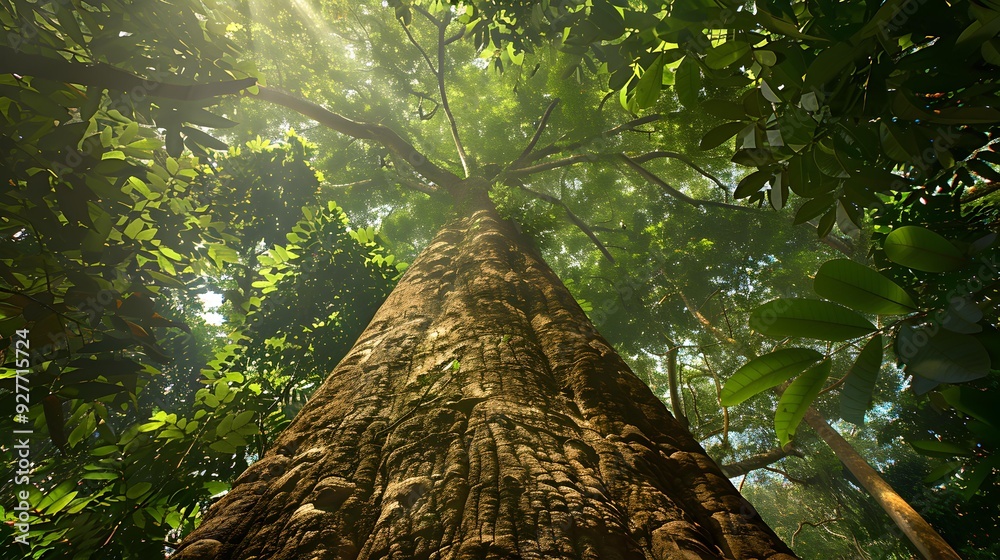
<point>752,183</point>
<point>720,134</point>
<point>138,490</point>
<point>856,396</point>
<point>978,474</point>
<point>104,450</point>
<point>811,209</point>
<point>921,249</point>
<point>764,372</point>
<point>727,53</point>
<point>99,475</point>
<point>943,449</point>
<point>151,426</point>
<point>60,503</point>
<point>796,400</point>
<point>203,139</point>
<point>223,446</point>
<point>201,117</point>
<point>942,356</point>
<point>809,318</point>
<point>648,88</point>
<point>942,471</point>
<point>241,419</point>
<point>687,82</point>
<point>861,288</point>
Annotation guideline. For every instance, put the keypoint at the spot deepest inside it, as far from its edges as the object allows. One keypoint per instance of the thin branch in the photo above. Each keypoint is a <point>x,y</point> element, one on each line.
<point>676,404</point>
<point>455,37</point>
<point>651,177</point>
<point>525,171</point>
<point>442,26</point>
<point>108,77</point>
<point>573,218</point>
<point>811,524</point>
<point>718,397</point>
<point>976,193</point>
<point>538,134</point>
<point>786,475</point>
<point>401,149</point>
<point>423,53</point>
<point>687,161</point>
<point>555,148</point>
<point>361,183</point>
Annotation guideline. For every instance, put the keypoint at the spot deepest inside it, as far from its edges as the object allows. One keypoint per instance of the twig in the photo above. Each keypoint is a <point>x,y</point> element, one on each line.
<point>811,524</point>
<point>651,177</point>
<point>573,218</point>
<point>555,149</point>
<point>442,26</point>
<point>538,134</point>
<point>687,161</point>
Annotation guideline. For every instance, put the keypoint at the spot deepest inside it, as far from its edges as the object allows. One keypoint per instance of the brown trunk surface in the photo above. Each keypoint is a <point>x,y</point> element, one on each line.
<point>541,443</point>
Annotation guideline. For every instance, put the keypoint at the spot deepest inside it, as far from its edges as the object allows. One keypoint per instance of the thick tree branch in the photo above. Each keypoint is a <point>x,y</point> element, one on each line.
<point>418,186</point>
<point>401,149</point>
<point>758,461</point>
<point>651,177</point>
<point>538,134</point>
<point>572,217</point>
<point>108,77</point>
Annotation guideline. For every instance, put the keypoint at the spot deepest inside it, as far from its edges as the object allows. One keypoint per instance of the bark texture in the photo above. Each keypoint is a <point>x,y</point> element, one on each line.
<point>481,415</point>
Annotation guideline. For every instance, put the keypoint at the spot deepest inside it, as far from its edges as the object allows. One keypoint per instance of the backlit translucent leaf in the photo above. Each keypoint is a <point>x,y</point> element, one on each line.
<point>764,372</point>
<point>809,318</point>
<point>922,249</point>
<point>796,400</point>
<point>861,288</point>
<point>856,395</point>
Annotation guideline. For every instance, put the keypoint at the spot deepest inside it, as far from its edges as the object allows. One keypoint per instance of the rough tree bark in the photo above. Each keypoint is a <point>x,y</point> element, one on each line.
<point>481,415</point>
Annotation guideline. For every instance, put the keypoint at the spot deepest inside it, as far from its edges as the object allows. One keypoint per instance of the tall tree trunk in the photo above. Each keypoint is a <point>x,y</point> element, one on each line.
<point>924,538</point>
<point>481,415</point>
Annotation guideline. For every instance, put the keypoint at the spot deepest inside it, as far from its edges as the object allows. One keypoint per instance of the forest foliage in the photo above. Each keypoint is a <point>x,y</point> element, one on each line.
<point>692,141</point>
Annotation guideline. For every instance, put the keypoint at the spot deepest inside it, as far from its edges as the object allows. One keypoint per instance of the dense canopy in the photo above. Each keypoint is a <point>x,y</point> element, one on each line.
<point>780,213</point>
